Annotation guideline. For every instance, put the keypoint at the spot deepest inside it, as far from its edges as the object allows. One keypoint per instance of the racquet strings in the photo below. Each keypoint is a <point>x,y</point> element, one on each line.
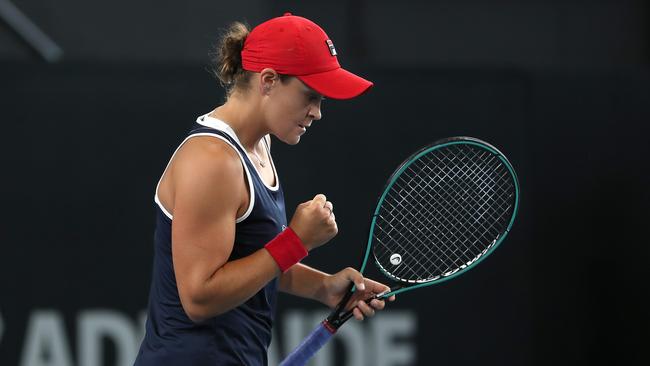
<point>442,213</point>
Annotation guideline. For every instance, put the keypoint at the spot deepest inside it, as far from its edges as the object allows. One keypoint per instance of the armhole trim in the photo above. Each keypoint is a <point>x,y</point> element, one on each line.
<point>219,125</point>
<point>251,201</point>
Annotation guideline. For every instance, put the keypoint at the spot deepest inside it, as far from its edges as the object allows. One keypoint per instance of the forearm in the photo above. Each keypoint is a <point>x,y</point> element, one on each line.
<point>304,281</point>
<point>232,284</point>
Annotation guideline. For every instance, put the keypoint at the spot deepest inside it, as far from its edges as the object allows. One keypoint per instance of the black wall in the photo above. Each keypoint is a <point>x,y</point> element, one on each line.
<point>382,33</point>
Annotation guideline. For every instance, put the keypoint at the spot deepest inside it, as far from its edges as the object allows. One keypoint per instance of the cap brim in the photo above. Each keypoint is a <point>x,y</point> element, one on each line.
<point>337,84</point>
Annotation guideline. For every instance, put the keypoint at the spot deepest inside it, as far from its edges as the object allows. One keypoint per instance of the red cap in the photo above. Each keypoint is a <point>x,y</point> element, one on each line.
<point>293,45</point>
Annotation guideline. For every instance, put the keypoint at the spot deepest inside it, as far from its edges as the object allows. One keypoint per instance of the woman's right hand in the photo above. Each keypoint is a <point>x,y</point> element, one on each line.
<point>314,222</point>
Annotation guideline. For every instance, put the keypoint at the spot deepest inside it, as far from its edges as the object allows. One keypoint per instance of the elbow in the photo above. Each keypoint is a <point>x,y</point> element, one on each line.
<point>195,311</point>
<point>195,315</point>
<point>194,308</point>
<point>198,314</point>
<point>199,304</point>
<point>200,311</point>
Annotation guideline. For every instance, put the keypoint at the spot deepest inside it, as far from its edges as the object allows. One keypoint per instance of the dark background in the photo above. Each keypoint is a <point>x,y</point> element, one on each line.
<point>561,87</point>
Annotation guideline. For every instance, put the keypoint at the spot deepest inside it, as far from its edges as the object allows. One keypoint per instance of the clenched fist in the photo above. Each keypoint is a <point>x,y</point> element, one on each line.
<point>314,222</point>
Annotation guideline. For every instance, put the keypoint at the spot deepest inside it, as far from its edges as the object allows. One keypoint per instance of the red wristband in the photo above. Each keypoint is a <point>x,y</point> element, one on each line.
<point>287,249</point>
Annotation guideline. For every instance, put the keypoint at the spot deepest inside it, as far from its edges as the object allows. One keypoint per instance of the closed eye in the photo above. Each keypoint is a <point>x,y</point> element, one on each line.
<point>315,97</point>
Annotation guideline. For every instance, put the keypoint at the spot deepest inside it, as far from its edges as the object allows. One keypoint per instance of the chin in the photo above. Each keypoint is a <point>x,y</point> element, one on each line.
<point>290,140</point>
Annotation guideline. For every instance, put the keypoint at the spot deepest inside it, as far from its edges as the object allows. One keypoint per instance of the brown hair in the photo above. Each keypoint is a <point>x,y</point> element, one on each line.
<point>227,58</point>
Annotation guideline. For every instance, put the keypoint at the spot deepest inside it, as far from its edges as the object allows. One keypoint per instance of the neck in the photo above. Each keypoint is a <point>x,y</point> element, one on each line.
<point>244,118</point>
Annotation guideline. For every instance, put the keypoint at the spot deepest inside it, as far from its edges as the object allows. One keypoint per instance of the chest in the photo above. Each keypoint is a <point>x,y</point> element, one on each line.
<point>264,169</point>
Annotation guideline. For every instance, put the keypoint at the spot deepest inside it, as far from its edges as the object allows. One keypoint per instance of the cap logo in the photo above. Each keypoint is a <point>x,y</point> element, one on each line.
<point>330,45</point>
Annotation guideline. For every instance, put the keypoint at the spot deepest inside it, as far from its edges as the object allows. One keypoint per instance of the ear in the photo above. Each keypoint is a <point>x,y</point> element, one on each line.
<point>269,78</point>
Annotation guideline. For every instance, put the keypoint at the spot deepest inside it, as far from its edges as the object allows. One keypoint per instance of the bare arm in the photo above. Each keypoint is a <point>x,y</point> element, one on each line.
<point>207,190</point>
<point>304,281</point>
<point>207,194</point>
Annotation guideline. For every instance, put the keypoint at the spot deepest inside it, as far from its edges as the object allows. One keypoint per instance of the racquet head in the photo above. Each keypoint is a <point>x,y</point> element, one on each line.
<point>446,208</point>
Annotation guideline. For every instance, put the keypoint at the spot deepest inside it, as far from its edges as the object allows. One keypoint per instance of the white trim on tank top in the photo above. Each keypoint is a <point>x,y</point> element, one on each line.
<point>248,176</point>
<point>220,125</point>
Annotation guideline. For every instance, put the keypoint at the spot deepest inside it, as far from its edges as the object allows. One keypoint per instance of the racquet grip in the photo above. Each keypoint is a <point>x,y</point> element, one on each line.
<point>348,314</point>
<point>308,347</point>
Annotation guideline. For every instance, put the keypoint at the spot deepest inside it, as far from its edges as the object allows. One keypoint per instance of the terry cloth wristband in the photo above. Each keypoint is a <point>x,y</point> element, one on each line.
<point>287,249</point>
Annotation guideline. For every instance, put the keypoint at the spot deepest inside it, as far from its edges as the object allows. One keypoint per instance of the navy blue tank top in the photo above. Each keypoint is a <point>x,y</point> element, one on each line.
<point>242,335</point>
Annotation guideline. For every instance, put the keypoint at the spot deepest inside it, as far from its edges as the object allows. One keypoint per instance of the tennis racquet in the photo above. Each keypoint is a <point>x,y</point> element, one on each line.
<point>444,210</point>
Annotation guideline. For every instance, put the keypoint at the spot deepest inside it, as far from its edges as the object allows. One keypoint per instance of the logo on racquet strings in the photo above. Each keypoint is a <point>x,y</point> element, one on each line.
<point>395,259</point>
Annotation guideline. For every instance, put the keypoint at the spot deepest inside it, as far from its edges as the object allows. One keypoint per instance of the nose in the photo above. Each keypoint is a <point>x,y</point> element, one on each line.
<point>314,112</point>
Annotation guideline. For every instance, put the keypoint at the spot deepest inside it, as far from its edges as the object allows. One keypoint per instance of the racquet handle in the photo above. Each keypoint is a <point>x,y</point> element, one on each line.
<point>309,346</point>
<point>319,336</point>
<point>348,314</point>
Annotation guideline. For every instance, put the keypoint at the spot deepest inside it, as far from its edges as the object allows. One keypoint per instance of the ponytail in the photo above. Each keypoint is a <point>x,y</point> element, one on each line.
<point>228,61</point>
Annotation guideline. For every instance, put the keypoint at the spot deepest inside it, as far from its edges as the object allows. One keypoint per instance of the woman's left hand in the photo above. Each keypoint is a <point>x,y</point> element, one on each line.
<point>336,285</point>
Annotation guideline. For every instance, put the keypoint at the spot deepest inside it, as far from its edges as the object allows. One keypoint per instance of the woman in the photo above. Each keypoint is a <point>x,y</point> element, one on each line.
<point>222,244</point>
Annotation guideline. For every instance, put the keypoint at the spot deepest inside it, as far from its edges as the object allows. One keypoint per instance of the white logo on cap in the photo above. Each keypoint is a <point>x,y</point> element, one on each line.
<point>330,45</point>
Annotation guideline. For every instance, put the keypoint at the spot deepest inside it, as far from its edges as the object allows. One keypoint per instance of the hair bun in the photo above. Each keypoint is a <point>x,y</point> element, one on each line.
<point>228,55</point>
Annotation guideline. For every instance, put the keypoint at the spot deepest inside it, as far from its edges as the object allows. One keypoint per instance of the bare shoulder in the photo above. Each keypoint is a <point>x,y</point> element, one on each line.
<point>207,173</point>
<point>208,155</point>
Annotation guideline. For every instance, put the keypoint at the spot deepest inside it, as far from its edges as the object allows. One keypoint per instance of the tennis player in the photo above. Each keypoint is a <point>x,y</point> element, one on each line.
<point>223,247</point>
